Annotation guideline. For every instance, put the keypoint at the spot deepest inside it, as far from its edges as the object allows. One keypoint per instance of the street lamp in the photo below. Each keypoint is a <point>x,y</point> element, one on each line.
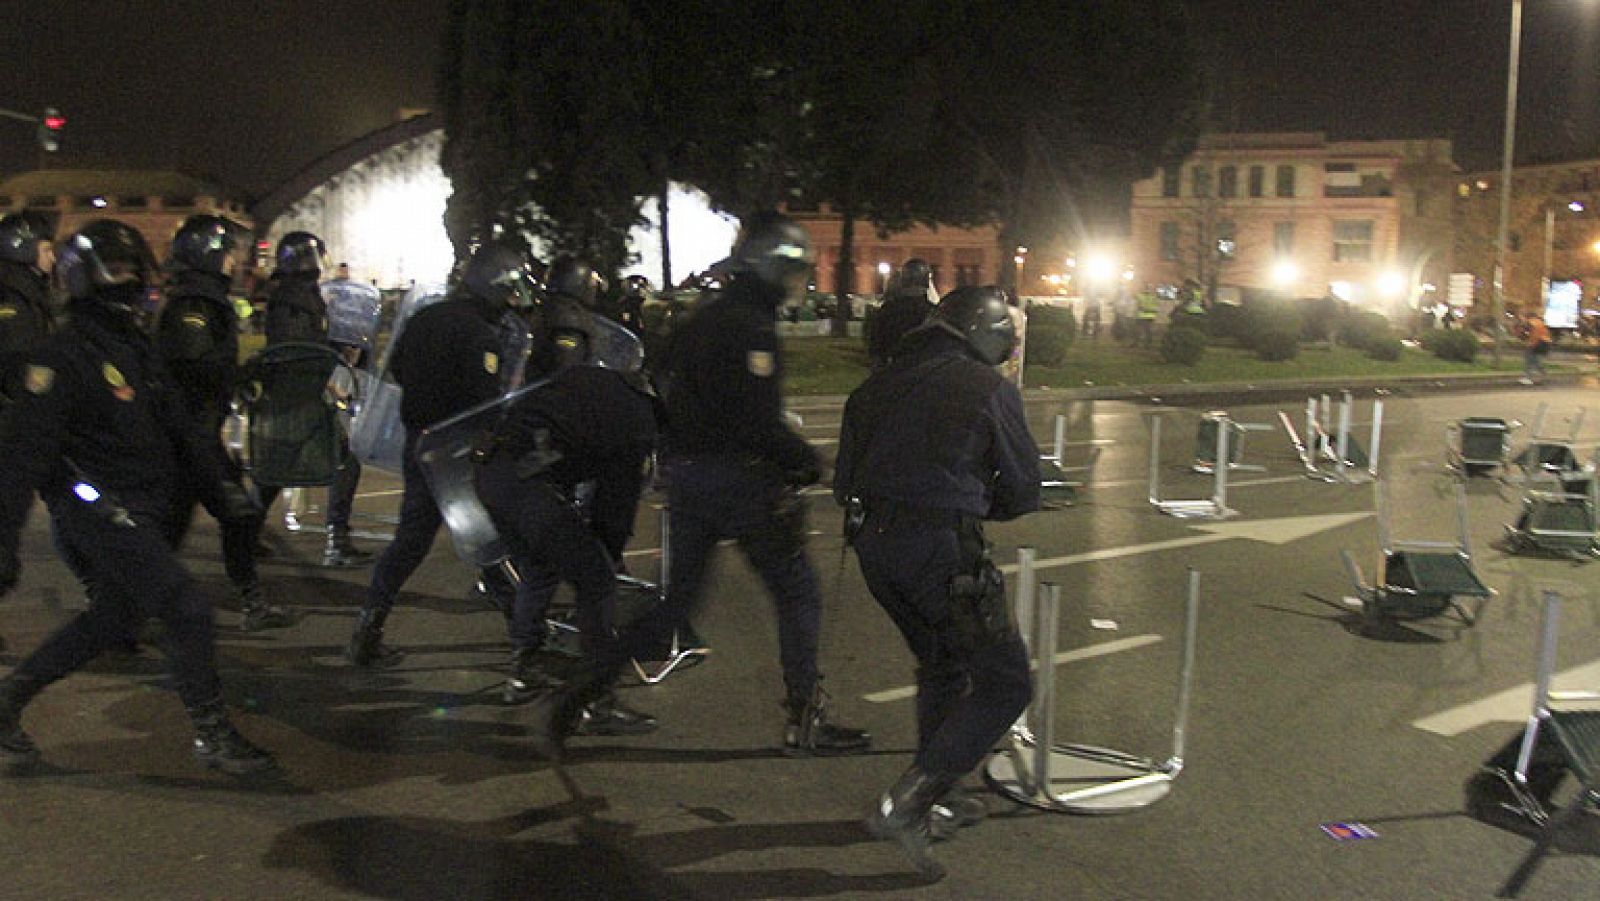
<point>883,277</point>
<point>1498,305</point>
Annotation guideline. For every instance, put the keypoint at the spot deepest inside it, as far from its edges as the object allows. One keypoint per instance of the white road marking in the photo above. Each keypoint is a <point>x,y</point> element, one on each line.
<point>1086,653</point>
<point>1510,706</point>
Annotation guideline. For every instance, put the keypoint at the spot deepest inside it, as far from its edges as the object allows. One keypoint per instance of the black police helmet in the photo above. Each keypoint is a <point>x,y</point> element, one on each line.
<point>571,277</point>
<point>106,259</point>
<point>915,279</point>
<point>301,252</point>
<point>981,316</point>
<point>203,244</point>
<point>636,286</point>
<point>773,247</point>
<point>566,334</point>
<point>20,236</point>
<point>499,273</point>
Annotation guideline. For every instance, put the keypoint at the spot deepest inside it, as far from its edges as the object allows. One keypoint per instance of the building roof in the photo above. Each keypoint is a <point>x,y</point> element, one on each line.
<point>147,182</point>
<point>331,164</point>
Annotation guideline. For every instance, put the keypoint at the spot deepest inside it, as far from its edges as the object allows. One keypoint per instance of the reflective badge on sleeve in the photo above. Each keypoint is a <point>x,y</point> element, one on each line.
<point>491,362</point>
<point>194,321</point>
<point>120,389</point>
<point>762,363</point>
<point>7,311</point>
<point>40,379</point>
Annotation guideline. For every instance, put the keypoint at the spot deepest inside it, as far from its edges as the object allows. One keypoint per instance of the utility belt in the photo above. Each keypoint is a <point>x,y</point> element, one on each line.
<point>893,516</point>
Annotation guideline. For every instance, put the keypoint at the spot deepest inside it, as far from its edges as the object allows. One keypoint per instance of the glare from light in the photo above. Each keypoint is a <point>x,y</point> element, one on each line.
<point>1576,206</point>
<point>1127,273</point>
<point>1341,290</point>
<point>1595,247</point>
<point>883,268</point>
<point>86,492</point>
<point>1391,284</point>
<point>98,203</point>
<point>1285,273</point>
<point>1100,267</point>
<point>700,235</point>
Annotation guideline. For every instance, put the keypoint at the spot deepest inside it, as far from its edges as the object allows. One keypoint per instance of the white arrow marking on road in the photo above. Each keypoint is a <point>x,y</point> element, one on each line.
<point>1271,531</point>
<point>1090,652</point>
<point>1509,706</point>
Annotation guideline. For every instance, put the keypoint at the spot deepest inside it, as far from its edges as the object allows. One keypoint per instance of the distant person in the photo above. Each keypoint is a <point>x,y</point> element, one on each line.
<point>906,305</point>
<point>1536,346</point>
<point>26,319</point>
<point>1147,306</point>
<point>295,308</point>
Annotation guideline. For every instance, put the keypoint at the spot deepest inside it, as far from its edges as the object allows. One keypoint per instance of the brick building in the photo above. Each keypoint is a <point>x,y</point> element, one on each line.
<point>1298,215</point>
<point>153,201</point>
<point>1554,224</point>
<point>958,256</point>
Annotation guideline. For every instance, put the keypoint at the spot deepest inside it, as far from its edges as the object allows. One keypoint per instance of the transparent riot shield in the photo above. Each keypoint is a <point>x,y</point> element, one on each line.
<point>377,437</point>
<point>614,347</point>
<point>445,451</point>
<point>293,436</point>
<point>354,309</point>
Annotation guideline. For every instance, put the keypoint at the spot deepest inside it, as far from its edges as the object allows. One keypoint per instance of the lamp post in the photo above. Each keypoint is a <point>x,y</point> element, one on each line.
<point>1497,308</point>
<point>883,278</point>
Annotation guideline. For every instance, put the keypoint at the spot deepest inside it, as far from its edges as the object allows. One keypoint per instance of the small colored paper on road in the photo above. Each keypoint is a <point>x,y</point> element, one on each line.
<point>1348,832</point>
<point>1104,625</point>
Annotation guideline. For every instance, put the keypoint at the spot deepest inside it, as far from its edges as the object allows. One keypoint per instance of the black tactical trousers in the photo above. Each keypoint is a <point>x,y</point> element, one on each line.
<point>967,696</point>
<point>135,575</point>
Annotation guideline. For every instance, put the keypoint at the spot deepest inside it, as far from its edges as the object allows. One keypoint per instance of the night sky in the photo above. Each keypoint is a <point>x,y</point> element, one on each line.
<point>249,93</point>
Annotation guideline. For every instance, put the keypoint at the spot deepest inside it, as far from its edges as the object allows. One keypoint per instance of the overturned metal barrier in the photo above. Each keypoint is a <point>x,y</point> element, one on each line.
<point>1213,507</point>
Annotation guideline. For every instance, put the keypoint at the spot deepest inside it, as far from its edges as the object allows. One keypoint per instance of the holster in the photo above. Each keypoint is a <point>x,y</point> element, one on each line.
<point>855,516</point>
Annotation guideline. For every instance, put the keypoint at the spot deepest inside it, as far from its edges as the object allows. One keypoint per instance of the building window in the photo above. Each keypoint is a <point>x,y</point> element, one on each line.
<point>1227,244</point>
<point>966,275</point>
<point>1228,181</point>
<point>1352,240</point>
<point>47,201</point>
<point>1420,198</point>
<point>132,202</point>
<point>1201,176</point>
<point>1258,180</point>
<point>90,202</point>
<point>1169,181</point>
<point>1283,238</point>
<point>177,202</point>
<point>1285,181</point>
<point>1169,241</point>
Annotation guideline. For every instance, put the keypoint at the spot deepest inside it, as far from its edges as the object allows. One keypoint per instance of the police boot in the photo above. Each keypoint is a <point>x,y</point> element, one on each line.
<point>955,809</point>
<point>528,678</point>
<point>900,815</point>
<point>552,718</point>
<point>258,614</point>
<point>219,746</point>
<point>808,731</point>
<point>607,716</point>
<point>16,748</point>
<point>341,551</point>
<point>366,647</point>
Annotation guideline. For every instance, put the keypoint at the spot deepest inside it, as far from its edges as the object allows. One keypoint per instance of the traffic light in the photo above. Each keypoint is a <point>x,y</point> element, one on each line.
<point>50,125</point>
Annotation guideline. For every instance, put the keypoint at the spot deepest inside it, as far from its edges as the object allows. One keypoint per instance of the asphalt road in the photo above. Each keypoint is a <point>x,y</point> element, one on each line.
<point>414,783</point>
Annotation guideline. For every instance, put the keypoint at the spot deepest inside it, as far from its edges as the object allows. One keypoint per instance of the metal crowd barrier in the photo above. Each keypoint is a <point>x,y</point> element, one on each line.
<point>1213,507</point>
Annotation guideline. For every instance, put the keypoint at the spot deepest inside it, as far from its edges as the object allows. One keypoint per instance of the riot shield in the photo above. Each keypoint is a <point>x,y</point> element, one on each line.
<point>377,437</point>
<point>614,347</point>
<point>293,437</point>
<point>445,451</point>
<point>354,309</point>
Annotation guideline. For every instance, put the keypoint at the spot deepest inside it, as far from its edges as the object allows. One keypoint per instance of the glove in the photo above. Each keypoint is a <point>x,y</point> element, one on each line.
<point>10,568</point>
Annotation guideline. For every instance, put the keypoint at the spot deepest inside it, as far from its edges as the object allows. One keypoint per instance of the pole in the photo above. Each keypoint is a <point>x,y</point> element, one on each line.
<point>1498,307</point>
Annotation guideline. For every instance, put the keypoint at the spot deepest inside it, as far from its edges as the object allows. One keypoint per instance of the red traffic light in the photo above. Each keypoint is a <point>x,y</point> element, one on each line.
<point>50,125</point>
<point>55,123</point>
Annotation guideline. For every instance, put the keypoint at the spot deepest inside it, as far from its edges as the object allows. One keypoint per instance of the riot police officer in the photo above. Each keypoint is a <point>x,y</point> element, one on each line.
<point>584,426</point>
<point>905,306</point>
<point>734,469</point>
<point>198,339</point>
<point>102,435</point>
<point>295,308</point>
<point>635,291</point>
<point>448,359</point>
<point>26,256</point>
<point>929,447</point>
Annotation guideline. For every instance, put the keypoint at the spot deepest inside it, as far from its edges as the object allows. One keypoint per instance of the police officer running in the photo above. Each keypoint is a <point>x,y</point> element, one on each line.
<point>929,447</point>
<point>448,360</point>
<point>26,256</point>
<point>101,434</point>
<point>734,470</point>
<point>586,425</point>
<point>905,306</point>
<point>198,339</point>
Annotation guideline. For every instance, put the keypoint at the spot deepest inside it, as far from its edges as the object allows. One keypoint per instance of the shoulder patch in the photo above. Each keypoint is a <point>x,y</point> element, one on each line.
<point>194,320</point>
<point>491,362</point>
<point>7,311</point>
<point>113,376</point>
<point>762,363</point>
<point>40,379</point>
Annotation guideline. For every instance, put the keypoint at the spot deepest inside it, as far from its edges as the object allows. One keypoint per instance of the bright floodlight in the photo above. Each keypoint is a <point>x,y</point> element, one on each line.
<point>1341,290</point>
<point>1576,206</point>
<point>1285,273</point>
<point>883,268</point>
<point>700,235</point>
<point>1391,284</point>
<point>1101,267</point>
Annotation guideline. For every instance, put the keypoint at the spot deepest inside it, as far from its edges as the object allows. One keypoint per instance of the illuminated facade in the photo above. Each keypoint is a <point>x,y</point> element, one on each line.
<point>153,201</point>
<point>1297,215</point>
<point>1554,230</point>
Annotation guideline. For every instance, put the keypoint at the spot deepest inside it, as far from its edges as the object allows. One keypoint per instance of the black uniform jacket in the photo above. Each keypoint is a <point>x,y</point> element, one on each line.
<point>899,314</point>
<point>448,360</point>
<point>296,310</point>
<point>25,319</point>
<point>587,424</point>
<point>938,430</point>
<point>723,381</point>
<point>97,395</point>
<point>198,338</point>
